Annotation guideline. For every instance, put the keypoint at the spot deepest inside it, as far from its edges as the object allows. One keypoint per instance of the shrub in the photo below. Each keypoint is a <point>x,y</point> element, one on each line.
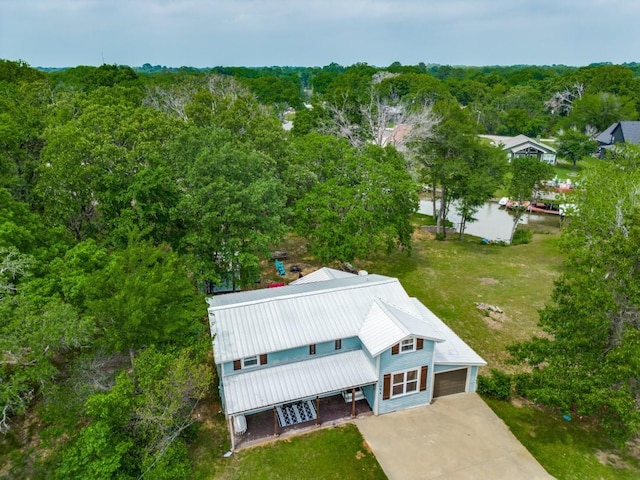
<point>522,237</point>
<point>497,385</point>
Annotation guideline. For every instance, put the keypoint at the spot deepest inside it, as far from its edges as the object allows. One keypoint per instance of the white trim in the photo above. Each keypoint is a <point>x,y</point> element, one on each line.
<point>252,365</point>
<point>413,345</point>
<point>404,382</point>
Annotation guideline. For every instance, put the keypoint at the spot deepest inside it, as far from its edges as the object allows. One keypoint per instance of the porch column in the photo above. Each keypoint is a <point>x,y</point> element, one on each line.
<point>232,434</point>
<point>275,422</point>
<point>353,402</point>
<point>317,410</point>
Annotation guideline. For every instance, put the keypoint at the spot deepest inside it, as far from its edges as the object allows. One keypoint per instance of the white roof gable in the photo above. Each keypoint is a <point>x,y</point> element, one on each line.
<point>270,320</point>
<point>386,325</point>
<point>321,275</point>
<point>522,141</point>
<point>453,351</point>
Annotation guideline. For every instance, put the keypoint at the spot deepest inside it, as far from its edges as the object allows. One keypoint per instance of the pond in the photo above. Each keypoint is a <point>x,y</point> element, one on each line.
<point>492,221</point>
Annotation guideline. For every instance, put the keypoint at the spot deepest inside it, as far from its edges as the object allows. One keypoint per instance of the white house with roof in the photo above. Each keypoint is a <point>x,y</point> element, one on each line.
<point>333,333</point>
<point>523,146</point>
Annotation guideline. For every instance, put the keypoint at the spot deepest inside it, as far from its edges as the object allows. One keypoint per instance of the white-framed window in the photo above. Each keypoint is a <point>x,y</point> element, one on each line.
<point>408,345</point>
<point>249,362</point>
<point>405,383</point>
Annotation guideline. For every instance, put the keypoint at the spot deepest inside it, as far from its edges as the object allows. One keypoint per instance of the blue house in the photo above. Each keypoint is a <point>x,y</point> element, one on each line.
<point>328,334</point>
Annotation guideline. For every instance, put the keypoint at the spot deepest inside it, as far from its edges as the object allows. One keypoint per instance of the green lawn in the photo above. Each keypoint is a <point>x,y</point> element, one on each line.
<point>333,453</point>
<point>449,277</point>
<point>567,450</point>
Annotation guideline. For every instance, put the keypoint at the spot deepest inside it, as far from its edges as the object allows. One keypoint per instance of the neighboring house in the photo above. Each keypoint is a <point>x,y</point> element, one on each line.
<point>523,146</point>
<point>618,133</point>
<point>333,333</point>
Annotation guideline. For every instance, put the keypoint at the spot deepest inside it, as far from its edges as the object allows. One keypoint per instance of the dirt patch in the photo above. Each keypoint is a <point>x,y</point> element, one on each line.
<point>493,324</point>
<point>360,455</point>
<point>610,458</point>
<point>489,281</point>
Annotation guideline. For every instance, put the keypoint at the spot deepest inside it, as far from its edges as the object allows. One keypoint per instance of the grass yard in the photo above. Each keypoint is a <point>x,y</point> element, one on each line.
<point>333,453</point>
<point>449,277</point>
<point>567,450</point>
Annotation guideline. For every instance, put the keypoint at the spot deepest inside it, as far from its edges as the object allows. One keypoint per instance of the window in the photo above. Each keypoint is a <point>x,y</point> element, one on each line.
<point>404,383</point>
<point>312,349</point>
<point>408,345</point>
<point>339,344</point>
<point>250,362</point>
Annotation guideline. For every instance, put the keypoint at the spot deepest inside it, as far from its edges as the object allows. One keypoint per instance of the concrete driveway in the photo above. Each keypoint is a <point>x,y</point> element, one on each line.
<point>456,437</point>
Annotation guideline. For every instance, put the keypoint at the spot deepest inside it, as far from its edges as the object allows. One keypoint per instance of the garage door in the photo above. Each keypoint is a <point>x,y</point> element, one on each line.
<point>448,383</point>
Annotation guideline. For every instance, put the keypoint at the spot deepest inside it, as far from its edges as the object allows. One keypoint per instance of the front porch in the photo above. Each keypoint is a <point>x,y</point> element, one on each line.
<point>264,427</point>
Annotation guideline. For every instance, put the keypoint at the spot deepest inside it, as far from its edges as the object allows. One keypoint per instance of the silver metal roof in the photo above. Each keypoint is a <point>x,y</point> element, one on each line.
<point>261,388</point>
<point>270,320</point>
<point>453,351</point>
<point>386,325</point>
<point>324,273</point>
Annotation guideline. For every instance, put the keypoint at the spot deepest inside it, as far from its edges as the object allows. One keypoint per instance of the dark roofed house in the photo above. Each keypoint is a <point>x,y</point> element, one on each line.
<point>618,133</point>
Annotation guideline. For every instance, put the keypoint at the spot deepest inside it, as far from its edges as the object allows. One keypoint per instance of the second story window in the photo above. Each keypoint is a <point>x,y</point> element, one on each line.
<point>250,362</point>
<point>408,345</point>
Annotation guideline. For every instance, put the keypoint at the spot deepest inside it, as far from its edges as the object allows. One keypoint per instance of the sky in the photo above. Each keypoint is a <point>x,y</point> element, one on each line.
<point>207,33</point>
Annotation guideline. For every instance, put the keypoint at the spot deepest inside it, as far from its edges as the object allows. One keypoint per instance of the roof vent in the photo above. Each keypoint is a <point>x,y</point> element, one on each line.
<point>363,273</point>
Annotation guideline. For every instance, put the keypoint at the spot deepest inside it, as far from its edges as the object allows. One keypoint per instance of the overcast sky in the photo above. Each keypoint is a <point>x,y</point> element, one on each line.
<point>202,33</point>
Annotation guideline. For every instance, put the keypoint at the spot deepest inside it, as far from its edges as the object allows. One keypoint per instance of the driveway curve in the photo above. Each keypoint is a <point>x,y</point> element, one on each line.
<point>456,437</point>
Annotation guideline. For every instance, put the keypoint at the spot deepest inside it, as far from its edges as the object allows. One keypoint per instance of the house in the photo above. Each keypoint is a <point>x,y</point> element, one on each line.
<point>523,146</point>
<point>290,350</point>
<point>617,133</point>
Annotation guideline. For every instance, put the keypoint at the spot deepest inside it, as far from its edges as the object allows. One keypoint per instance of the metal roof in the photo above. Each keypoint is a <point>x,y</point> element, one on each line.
<point>265,387</point>
<point>269,320</point>
<point>321,275</point>
<point>453,351</point>
<point>519,141</point>
<point>386,325</point>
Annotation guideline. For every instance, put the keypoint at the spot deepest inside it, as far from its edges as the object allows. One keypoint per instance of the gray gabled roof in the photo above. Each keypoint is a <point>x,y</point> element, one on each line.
<point>629,130</point>
<point>274,319</point>
<point>265,387</point>
<point>605,137</point>
<point>520,142</point>
<point>321,275</point>
<point>386,325</point>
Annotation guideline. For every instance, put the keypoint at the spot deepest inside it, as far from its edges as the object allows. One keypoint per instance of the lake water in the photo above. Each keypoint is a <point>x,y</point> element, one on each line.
<point>492,222</point>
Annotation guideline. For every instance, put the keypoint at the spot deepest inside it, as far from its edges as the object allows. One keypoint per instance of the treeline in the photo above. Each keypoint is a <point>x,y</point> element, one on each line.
<point>123,191</point>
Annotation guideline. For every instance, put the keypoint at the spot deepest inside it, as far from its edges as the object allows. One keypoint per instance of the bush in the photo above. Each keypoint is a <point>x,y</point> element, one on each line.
<point>497,386</point>
<point>522,237</point>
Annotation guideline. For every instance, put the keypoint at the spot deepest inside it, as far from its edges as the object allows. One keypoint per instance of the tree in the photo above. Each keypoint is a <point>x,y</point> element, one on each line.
<point>233,206</point>
<point>575,145</point>
<point>143,296</point>
<point>528,176</point>
<point>601,110</point>
<point>361,205</point>
<point>588,362</point>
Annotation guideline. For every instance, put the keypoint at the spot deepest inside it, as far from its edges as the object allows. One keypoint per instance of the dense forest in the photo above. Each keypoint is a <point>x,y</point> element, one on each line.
<point>125,191</point>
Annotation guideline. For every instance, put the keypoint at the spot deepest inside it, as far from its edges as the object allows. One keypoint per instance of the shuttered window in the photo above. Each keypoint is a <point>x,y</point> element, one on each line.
<point>386,387</point>
<point>408,345</point>
<point>423,378</point>
<point>407,382</point>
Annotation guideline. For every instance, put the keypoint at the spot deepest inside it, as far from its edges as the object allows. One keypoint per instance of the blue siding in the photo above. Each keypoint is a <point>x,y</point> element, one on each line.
<point>405,361</point>
<point>298,354</point>
<point>370,394</point>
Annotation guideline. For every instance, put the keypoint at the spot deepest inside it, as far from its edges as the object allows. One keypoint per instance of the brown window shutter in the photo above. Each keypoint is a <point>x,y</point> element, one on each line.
<point>263,359</point>
<point>237,364</point>
<point>395,349</point>
<point>419,343</point>
<point>312,349</point>
<point>386,387</point>
<point>423,378</point>
<point>338,344</point>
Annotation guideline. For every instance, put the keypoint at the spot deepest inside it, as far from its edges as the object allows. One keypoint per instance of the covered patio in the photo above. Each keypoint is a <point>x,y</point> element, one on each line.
<point>334,410</point>
<point>273,401</point>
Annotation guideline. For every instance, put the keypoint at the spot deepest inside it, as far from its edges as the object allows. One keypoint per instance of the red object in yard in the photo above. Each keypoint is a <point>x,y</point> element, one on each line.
<point>276,284</point>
